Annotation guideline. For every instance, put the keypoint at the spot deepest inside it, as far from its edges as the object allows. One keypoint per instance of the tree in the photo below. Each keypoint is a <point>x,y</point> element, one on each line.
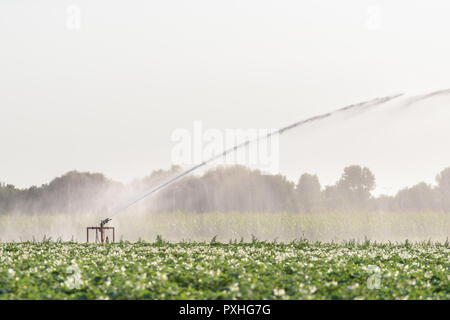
<point>357,179</point>
<point>355,186</point>
<point>9,196</point>
<point>309,192</point>
<point>228,189</point>
<point>420,197</point>
<point>443,189</point>
<point>333,198</point>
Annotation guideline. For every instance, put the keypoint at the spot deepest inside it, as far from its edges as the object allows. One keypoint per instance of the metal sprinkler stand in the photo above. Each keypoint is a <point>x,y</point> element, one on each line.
<point>102,229</point>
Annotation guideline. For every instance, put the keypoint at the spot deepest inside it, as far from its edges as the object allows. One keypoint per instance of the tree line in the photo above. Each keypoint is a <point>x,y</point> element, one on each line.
<point>224,189</point>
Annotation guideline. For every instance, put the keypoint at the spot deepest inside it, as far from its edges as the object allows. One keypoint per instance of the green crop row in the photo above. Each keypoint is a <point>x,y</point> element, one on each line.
<point>213,270</point>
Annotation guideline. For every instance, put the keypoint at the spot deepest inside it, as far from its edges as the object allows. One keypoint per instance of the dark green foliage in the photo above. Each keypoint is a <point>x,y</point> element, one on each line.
<point>256,270</point>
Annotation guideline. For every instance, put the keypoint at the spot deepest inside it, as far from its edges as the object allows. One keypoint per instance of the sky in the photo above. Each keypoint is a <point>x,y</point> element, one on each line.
<point>102,85</point>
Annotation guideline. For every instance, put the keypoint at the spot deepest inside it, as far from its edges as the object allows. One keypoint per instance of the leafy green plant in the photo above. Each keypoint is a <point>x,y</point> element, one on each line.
<point>217,270</point>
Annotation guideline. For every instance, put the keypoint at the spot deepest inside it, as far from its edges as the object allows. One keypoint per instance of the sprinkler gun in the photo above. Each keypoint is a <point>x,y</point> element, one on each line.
<point>103,222</point>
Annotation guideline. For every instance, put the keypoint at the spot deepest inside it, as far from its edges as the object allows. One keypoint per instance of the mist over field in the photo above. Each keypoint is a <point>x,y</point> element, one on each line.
<point>92,102</point>
<point>233,202</point>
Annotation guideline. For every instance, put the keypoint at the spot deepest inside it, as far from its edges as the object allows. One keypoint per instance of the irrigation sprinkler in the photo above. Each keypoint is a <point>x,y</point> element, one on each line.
<point>102,231</point>
<point>360,106</point>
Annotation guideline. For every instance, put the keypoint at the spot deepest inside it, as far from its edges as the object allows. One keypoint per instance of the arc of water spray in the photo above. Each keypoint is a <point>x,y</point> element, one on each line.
<point>360,107</point>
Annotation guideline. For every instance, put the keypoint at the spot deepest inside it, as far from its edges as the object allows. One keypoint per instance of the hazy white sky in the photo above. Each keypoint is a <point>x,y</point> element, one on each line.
<point>107,96</point>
